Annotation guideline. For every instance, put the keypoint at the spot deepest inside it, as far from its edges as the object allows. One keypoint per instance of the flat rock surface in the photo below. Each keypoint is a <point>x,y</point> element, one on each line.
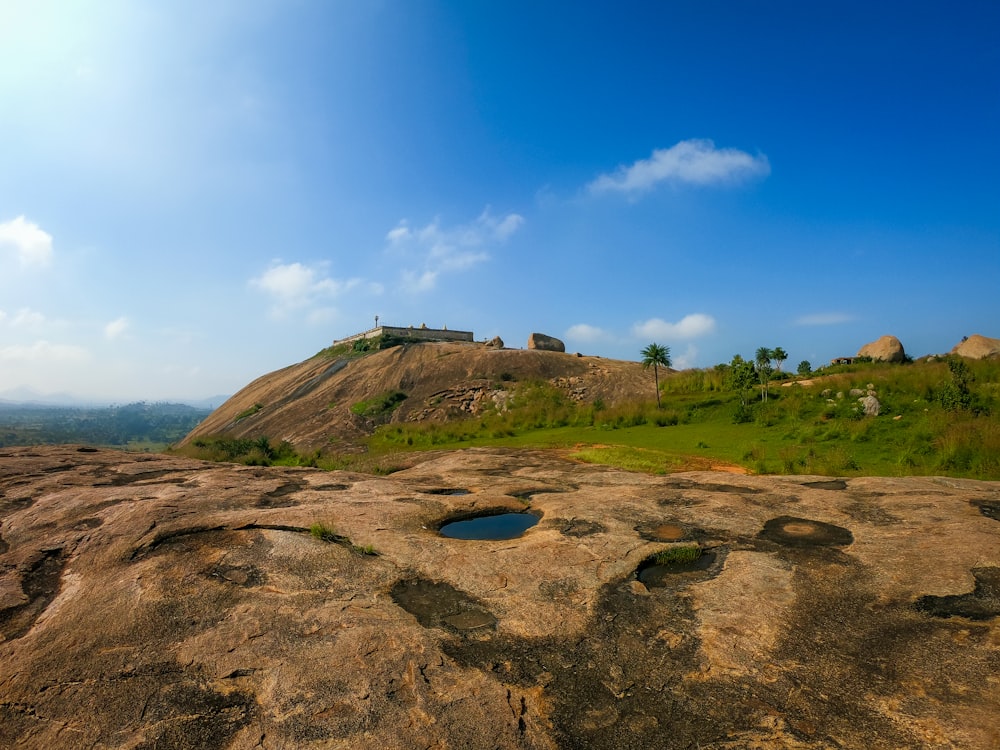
<point>149,601</point>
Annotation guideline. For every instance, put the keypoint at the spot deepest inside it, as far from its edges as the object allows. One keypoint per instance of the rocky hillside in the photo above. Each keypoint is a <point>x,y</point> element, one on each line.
<point>157,602</point>
<point>310,404</point>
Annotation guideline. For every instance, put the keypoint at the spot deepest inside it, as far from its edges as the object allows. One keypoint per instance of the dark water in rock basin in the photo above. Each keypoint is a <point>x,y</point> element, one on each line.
<point>490,528</point>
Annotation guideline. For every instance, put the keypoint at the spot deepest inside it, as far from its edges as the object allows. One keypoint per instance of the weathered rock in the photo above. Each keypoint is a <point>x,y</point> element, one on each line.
<point>886,349</point>
<point>871,405</point>
<point>545,343</point>
<point>977,347</point>
<point>495,343</point>
<point>151,601</point>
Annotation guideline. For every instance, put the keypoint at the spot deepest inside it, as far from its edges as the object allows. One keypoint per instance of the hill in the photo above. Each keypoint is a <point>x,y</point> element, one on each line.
<point>337,397</point>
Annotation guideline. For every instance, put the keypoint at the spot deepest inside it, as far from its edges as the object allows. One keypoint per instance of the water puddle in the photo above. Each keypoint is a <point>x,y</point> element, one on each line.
<point>490,528</point>
<point>678,565</point>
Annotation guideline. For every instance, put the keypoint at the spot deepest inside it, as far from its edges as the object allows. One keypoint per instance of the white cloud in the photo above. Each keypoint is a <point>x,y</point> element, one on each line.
<point>31,244</point>
<point>23,318</point>
<point>419,282</point>
<point>293,286</point>
<point>399,234</point>
<point>824,319</point>
<point>43,351</point>
<point>438,249</point>
<point>689,327</point>
<point>586,333</point>
<point>116,328</point>
<point>686,359</point>
<point>696,161</point>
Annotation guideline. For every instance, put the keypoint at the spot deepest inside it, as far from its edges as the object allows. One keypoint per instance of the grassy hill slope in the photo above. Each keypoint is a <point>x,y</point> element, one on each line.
<point>334,400</point>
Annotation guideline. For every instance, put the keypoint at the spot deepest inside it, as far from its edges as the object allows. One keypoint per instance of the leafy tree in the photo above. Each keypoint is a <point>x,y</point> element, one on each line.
<point>805,369</point>
<point>779,355</point>
<point>764,369</point>
<point>956,394</point>
<point>657,356</point>
<point>742,377</point>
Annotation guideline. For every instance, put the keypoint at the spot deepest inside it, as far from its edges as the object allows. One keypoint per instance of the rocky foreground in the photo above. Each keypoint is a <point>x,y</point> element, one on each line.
<point>156,602</point>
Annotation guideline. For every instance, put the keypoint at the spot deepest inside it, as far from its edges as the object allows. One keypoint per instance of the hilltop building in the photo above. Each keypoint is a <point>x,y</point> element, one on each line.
<point>423,333</point>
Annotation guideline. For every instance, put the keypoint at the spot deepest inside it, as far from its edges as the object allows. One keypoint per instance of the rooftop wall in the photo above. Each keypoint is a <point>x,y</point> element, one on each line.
<point>415,334</point>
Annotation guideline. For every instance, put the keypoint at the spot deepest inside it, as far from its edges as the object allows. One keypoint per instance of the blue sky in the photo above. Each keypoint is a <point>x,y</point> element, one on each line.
<point>193,194</point>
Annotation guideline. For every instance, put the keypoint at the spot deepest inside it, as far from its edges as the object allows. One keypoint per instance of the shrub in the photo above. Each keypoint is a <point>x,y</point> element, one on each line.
<point>666,419</point>
<point>678,555</point>
<point>249,412</point>
<point>323,533</point>
<point>380,405</point>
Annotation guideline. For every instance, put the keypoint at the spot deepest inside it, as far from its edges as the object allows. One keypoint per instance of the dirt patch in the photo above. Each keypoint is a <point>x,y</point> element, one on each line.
<point>281,497</point>
<point>189,715</point>
<point>790,531</point>
<point>989,508</point>
<point>982,604</point>
<point>826,484</point>
<point>437,603</point>
<point>579,527</point>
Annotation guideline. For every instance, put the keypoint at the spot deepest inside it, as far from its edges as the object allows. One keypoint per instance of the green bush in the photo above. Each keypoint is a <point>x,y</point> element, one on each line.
<point>380,405</point>
<point>248,412</point>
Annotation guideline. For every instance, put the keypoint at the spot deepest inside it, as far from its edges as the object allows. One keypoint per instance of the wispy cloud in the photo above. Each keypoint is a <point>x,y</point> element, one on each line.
<point>23,318</point>
<point>686,359</point>
<point>116,328</point>
<point>31,244</point>
<point>824,319</point>
<point>438,249</point>
<point>43,351</point>
<point>689,327</point>
<point>694,162</point>
<point>587,334</point>
<point>294,286</point>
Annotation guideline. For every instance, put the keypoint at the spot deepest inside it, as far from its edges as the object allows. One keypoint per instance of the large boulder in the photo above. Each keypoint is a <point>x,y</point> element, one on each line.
<point>887,349</point>
<point>495,343</point>
<point>545,343</point>
<point>977,347</point>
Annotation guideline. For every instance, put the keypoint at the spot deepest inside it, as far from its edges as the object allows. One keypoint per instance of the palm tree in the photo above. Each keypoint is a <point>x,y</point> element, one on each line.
<point>656,355</point>
<point>779,355</point>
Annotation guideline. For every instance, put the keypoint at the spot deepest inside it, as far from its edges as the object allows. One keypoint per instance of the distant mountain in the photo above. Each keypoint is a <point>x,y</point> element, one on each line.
<point>26,396</point>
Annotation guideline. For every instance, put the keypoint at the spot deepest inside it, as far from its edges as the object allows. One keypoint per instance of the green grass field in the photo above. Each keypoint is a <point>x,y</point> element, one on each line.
<point>928,425</point>
<point>936,418</point>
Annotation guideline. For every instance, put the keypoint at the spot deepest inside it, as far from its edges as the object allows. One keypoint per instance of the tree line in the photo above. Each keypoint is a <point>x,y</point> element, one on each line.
<point>140,422</point>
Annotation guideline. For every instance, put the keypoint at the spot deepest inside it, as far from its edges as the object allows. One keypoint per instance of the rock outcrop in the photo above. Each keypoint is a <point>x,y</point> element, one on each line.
<point>886,349</point>
<point>870,405</point>
<point>977,347</point>
<point>495,343</point>
<point>545,343</point>
<point>150,601</point>
<point>309,403</point>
